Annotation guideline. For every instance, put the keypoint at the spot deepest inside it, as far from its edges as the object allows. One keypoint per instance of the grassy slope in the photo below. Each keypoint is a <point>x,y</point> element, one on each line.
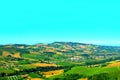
<point>86,72</point>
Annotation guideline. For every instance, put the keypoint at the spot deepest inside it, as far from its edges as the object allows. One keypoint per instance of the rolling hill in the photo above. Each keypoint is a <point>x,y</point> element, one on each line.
<point>33,60</point>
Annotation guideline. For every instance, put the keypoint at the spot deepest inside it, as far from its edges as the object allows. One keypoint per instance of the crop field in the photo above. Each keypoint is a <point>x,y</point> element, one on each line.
<point>42,65</point>
<point>52,73</point>
<point>83,72</point>
<point>115,63</point>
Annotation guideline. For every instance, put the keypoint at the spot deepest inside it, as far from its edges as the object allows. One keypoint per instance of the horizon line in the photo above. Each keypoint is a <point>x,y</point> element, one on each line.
<point>99,43</point>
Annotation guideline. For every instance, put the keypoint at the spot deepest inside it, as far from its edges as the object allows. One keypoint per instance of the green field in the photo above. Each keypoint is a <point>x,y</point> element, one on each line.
<point>90,73</point>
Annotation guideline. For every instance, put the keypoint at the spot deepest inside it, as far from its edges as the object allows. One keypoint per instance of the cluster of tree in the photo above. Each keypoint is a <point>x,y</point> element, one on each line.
<point>37,69</point>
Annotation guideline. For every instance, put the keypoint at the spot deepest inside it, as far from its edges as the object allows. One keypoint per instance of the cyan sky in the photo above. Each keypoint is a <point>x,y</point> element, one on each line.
<point>44,21</point>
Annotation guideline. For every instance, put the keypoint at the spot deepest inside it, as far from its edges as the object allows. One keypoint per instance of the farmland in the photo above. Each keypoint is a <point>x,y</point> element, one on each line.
<point>91,73</point>
<point>59,60</point>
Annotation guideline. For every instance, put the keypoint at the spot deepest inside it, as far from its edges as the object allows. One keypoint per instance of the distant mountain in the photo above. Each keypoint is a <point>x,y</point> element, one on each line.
<point>59,47</point>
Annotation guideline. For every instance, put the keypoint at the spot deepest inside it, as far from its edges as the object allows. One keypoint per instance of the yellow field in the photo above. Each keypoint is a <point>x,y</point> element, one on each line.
<point>52,73</point>
<point>114,64</point>
<point>83,79</point>
<point>43,65</point>
<point>36,79</point>
<point>5,54</point>
<point>16,55</point>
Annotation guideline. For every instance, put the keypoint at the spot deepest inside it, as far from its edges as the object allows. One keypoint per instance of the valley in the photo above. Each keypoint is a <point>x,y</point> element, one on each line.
<point>59,61</point>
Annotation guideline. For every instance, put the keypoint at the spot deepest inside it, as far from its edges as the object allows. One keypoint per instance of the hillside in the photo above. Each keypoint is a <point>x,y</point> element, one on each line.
<point>62,47</point>
<point>36,61</point>
<point>67,49</point>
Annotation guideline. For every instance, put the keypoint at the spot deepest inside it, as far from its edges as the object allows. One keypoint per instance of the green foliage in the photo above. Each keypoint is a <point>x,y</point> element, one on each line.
<point>93,73</point>
<point>34,75</point>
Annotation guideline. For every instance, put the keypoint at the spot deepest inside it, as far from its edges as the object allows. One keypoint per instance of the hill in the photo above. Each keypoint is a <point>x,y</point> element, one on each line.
<point>71,50</point>
<point>32,61</point>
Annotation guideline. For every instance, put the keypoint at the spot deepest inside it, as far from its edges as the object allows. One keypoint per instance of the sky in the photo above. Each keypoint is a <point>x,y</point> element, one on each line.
<point>46,21</point>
